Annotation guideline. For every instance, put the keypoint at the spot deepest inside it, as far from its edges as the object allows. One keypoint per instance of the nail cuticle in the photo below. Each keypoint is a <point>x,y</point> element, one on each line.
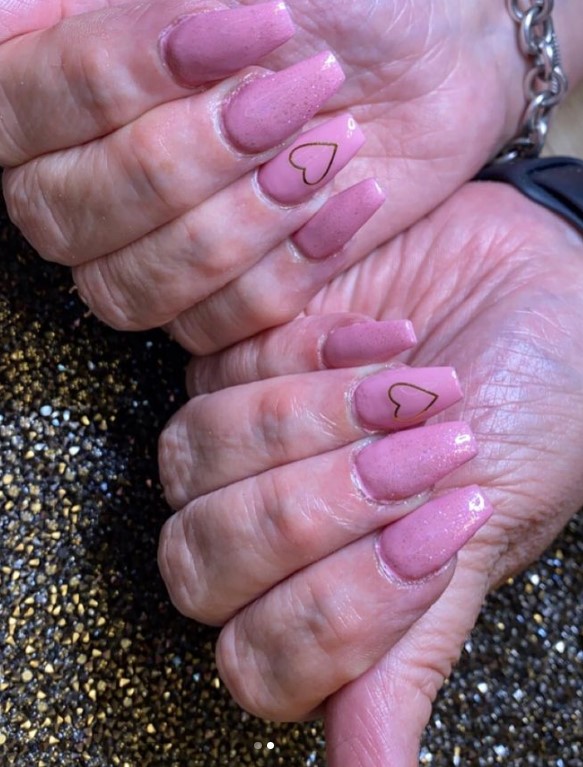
<point>402,580</point>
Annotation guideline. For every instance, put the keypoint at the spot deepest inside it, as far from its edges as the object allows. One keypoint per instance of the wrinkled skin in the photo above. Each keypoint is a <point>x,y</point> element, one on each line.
<point>435,86</point>
<point>498,297</point>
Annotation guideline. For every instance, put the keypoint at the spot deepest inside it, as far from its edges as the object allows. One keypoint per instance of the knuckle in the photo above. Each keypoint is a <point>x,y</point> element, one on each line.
<point>288,525</point>
<point>274,420</point>
<point>274,307</point>
<point>323,625</point>
<point>30,208</point>
<point>105,296</point>
<point>13,149</point>
<point>182,569</point>
<point>245,671</point>
<point>151,166</point>
<point>177,460</point>
<point>89,81</point>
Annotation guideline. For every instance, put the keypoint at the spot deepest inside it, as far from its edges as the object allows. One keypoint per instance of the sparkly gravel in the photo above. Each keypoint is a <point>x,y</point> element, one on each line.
<point>97,669</point>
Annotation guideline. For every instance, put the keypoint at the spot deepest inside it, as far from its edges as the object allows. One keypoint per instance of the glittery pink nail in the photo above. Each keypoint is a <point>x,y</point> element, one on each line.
<point>339,219</point>
<point>365,342</point>
<point>412,461</point>
<point>267,110</point>
<point>425,540</point>
<point>210,45</point>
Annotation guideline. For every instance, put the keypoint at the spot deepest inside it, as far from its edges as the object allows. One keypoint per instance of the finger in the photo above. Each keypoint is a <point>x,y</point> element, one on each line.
<point>378,719</point>
<point>217,439</point>
<point>303,345</point>
<point>106,68</point>
<point>135,288</point>
<point>93,200</point>
<point>17,17</point>
<point>273,525</point>
<point>311,635</point>
<point>279,287</point>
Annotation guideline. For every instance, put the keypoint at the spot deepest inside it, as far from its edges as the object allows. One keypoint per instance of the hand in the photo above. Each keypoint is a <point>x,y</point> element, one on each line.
<point>499,297</point>
<point>129,182</point>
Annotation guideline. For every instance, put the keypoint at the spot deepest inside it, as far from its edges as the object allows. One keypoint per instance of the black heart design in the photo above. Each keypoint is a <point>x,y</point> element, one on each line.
<point>316,165</point>
<point>425,404</point>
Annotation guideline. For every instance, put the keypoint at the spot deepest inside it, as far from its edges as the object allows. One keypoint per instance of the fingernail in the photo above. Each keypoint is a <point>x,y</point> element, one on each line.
<point>311,161</point>
<point>210,45</point>
<point>365,342</point>
<point>339,220</point>
<point>267,110</point>
<point>426,539</point>
<point>402,397</point>
<point>409,462</point>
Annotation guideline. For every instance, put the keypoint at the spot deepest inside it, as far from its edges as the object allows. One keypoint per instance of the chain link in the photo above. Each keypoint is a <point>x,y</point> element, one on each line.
<point>545,83</point>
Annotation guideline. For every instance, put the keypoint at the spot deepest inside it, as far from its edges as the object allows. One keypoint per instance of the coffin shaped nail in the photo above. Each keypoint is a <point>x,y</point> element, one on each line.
<point>312,160</point>
<point>267,110</point>
<point>211,45</point>
<point>363,343</point>
<point>339,220</point>
<point>409,462</point>
<point>424,541</point>
<point>403,397</point>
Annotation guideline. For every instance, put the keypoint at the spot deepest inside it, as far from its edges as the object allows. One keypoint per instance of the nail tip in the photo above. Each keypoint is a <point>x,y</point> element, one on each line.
<point>434,533</point>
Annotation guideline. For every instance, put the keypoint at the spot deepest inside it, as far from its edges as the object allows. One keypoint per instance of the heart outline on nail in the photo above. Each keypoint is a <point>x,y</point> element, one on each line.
<point>304,169</point>
<point>433,397</point>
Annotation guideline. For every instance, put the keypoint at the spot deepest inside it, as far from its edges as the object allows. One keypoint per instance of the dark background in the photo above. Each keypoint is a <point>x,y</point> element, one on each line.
<point>96,667</point>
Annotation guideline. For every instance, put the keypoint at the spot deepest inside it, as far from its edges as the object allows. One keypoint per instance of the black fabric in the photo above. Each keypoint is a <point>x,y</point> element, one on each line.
<point>555,182</point>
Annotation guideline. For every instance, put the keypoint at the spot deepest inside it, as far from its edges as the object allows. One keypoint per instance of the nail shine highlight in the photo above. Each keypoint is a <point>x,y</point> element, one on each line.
<point>265,111</point>
<point>409,462</point>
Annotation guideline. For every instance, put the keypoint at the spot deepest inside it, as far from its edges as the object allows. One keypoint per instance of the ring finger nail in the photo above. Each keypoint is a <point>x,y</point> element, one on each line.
<point>423,542</point>
<point>403,397</point>
<point>312,160</point>
<point>210,45</point>
<point>339,220</point>
<point>265,111</point>
<point>409,462</point>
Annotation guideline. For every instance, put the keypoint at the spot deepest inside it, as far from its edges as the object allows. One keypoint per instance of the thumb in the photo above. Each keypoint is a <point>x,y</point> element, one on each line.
<point>378,720</point>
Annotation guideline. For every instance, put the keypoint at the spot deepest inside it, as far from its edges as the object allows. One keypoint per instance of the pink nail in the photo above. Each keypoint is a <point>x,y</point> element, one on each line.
<point>409,462</point>
<point>210,45</point>
<point>403,397</point>
<point>267,110</point>
<point>425,540</point>
<point>312,160</point>
<point>339,220</point>
<point>366,342</point>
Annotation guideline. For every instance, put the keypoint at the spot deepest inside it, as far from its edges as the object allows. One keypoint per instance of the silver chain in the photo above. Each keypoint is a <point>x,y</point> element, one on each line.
<point>545,83</point>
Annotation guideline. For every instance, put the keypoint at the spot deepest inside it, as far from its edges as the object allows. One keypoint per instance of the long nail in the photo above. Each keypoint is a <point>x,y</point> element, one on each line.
<point>267,110</point>
<point>424,541</point>
<point>410,462</point>
<point>311,161</point>
<point>403,397</point>
<point>366,342</point>
<point>211,45</point>
<point>339,219</point>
